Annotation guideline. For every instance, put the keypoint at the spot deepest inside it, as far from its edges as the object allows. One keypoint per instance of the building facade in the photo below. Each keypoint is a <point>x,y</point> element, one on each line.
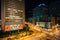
<point>12,14</point>
<point>54,10</point>
<point>40,13</point>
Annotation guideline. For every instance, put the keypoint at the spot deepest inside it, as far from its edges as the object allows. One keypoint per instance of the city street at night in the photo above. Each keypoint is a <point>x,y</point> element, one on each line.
<point>29,19</point>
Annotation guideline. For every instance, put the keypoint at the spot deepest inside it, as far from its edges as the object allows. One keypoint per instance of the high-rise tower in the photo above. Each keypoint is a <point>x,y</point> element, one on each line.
<point>13,14</point>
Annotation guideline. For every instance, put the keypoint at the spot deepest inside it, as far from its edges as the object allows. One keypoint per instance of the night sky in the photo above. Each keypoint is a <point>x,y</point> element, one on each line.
<point>0,9</point>
<point>31,4</point>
